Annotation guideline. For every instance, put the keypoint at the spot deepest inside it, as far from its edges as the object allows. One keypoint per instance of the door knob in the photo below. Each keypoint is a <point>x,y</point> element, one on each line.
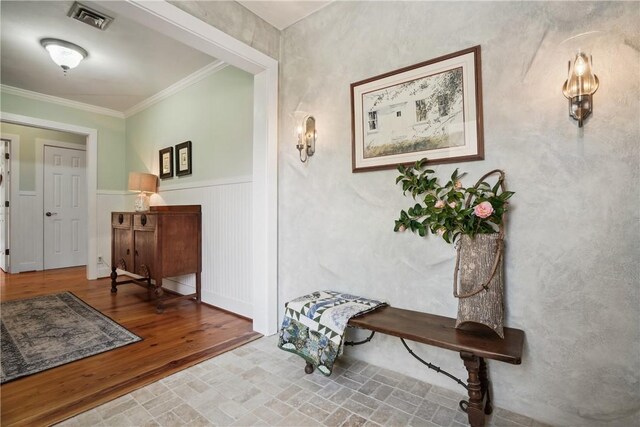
<point>51,213</point>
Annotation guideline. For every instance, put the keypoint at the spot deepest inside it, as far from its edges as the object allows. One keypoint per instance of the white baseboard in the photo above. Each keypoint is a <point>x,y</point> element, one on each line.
<point>103,271</point>
<point>27,266</point>
<point>178,287</point>
<point>235,306</point>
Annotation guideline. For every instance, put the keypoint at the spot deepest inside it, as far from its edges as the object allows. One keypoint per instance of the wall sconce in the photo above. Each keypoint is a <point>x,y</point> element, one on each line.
<point>307,136</point>
<point>580,87</point>
<point>144,184</point>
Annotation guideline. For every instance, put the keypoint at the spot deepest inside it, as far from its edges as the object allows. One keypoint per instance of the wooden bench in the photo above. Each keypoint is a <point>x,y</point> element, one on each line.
<point>474,347</point>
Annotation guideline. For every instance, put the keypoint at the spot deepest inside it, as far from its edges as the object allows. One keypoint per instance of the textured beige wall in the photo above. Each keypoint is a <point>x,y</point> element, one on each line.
<point>237,21</point>
<point>572,243</point>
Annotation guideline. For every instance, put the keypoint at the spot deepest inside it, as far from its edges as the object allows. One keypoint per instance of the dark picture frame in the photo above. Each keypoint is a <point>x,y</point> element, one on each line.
<point>166,163</point>
<point>183,159</point>
<point>432,109</point>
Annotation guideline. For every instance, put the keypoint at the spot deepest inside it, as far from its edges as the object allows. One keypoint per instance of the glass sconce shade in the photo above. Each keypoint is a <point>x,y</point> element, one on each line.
<point>581,80</point>
<point>307,136</point>
<point>581,84</point>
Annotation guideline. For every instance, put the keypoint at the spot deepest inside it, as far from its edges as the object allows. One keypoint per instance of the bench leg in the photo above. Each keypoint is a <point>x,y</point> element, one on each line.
<point>475,411</point>
<point>309,368</point>
<point>484,382</point>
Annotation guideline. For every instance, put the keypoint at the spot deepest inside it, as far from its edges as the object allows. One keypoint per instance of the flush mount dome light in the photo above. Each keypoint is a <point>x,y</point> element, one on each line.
<point>67,55</point>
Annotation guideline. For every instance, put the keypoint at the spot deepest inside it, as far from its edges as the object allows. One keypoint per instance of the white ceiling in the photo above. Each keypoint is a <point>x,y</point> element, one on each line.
<point>283,13</point>
<point>127,63</point>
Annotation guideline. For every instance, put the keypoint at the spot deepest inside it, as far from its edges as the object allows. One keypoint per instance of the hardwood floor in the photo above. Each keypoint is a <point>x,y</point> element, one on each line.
<point>185,334</point>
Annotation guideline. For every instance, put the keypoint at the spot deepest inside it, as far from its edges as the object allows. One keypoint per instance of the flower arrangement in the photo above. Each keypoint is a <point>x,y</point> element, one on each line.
<point>443,210</point>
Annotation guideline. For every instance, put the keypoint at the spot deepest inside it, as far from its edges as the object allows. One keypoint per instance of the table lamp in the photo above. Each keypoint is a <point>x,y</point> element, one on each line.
<point>144,184</point>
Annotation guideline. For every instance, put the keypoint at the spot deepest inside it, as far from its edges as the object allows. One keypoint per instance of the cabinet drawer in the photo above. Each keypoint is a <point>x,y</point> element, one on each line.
<point>120,219</point>
<point>144,221</point>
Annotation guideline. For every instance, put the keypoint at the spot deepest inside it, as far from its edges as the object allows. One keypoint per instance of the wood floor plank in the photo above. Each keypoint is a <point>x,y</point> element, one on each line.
<point>185,334</point>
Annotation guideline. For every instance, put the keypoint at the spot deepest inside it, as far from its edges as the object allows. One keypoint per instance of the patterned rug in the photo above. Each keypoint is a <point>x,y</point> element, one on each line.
<point>48,331</point>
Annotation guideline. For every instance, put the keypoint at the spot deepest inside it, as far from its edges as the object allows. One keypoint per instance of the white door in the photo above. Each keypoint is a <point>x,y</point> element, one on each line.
<point>65,208</point>
<point>4,201</point>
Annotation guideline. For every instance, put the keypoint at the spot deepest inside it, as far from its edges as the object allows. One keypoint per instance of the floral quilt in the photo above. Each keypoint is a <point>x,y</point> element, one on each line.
<point>314,325</point>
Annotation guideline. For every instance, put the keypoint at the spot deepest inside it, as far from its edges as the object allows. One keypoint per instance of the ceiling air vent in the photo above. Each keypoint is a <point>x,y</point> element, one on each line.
<point>89,16</point>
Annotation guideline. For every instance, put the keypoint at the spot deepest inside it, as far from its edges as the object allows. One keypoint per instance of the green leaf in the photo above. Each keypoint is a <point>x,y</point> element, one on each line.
<point>506,195</point>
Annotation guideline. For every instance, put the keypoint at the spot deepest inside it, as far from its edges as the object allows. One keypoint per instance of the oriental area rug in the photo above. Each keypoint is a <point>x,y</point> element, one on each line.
<point>48,331</point>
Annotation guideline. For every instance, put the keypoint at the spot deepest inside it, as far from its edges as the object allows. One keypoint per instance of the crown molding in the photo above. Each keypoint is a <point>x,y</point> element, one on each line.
<point>193,78</point>
<point>60,101</point>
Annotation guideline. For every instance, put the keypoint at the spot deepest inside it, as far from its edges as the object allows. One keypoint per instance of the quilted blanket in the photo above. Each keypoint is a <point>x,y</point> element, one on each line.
<point>314,325</point>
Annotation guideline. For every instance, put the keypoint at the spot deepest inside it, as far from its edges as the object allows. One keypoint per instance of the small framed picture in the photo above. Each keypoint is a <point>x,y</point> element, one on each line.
<point>166,163</point>
<point>183,159</point>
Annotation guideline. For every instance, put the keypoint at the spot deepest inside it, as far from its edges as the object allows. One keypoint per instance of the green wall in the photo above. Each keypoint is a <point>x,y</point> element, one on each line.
<point>28,136</point>
<point>215,114</point>
<point>111,134</point>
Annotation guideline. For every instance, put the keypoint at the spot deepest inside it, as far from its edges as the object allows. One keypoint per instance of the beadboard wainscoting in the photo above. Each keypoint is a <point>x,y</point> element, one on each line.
<point>226,241</point>
<point>26,232</point>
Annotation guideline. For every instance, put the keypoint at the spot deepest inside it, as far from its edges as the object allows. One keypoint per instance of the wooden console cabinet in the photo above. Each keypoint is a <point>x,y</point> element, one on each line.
<point>164,242</point>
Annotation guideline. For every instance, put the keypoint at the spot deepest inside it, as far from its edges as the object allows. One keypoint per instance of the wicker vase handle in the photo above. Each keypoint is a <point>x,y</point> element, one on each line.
<point>484,286</point>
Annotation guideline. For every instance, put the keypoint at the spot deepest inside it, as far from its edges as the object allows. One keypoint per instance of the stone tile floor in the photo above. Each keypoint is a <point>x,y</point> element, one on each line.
<point>261,385</point>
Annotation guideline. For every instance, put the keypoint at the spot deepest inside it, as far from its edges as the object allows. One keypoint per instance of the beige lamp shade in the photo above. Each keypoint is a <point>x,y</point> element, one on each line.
<point>143,182</point>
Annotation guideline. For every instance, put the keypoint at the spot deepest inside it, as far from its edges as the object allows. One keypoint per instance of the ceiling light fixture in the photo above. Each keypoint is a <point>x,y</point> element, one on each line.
<point>67,55</point>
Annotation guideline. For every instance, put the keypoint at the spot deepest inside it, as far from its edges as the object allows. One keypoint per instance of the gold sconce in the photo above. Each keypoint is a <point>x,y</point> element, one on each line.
<point>307,136</point>
<point>144,184</point>
<point>580,87</point>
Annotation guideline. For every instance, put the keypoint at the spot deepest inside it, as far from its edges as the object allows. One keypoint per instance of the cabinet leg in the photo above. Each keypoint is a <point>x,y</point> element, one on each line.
<point>198,287</point>
<point>113,276</point>
<point>475,411</point>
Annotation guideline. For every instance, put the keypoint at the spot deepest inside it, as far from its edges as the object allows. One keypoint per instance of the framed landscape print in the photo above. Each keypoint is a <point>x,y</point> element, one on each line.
<point>166,163</point>
<point>183,159</point>
<point>432,109</point>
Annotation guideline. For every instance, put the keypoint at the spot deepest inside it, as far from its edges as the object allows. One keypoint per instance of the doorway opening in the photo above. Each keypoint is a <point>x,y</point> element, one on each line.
<point>190,30</point>
<point>29,230</point>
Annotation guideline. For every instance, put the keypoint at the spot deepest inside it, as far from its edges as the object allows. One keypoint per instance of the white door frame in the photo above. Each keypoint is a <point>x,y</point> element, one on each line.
<point>91,148</point>
<point>175,23</point>
<point>14,142</point>
<point>39,166</point>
